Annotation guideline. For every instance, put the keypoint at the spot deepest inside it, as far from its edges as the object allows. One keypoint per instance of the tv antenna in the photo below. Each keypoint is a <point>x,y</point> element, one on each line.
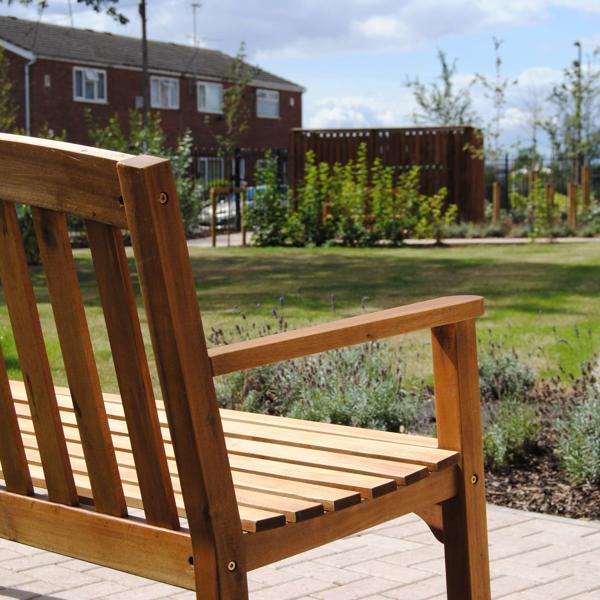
<point>195,8</point>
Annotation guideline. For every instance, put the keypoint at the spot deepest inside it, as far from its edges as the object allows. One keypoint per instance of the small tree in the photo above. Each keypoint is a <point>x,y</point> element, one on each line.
<point>442,104</point>
<point>151,139</point>
<point>494,89</point>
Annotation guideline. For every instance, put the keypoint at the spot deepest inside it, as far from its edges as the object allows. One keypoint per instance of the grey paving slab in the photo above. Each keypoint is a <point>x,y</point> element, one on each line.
<point>534,557</point>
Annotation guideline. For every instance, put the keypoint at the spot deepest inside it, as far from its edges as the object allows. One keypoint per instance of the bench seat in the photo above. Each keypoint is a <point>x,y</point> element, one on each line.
<point>284,470</point>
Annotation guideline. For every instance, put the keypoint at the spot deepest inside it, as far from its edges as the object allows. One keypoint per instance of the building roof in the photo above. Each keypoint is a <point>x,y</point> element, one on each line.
<point>95,47</point>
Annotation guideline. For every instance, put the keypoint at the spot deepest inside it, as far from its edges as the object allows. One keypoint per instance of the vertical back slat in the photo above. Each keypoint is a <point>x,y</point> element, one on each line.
<point>27,332</point>
<point>133,375</point>
<point>80,365</point>
<point>165,272</point>
<point>15,470</point>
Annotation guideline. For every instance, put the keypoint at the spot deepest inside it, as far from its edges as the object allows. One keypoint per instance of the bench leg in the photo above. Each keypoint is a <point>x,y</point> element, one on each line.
<point>459,428</point>
<point>207,587</point>
<point>465,550</point>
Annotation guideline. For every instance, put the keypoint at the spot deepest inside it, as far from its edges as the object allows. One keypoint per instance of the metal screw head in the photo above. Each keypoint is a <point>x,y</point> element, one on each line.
<point>231,565</point>
<point>163,198</point>
<point>474,479</point>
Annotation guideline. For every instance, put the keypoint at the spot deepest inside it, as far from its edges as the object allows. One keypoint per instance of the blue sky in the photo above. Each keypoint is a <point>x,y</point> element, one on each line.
<point>353,56</point>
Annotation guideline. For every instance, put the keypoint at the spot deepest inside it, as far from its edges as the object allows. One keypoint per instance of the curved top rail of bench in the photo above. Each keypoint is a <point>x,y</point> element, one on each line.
<point>61,176</point>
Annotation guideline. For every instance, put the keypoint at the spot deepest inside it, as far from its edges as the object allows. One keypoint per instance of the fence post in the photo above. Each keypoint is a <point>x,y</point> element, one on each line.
<point>213,217</point>
<point>243,215</point>
<point>572,214</point>
<point>496,192</point>
<point>549,196</point>
<point>585,185</point>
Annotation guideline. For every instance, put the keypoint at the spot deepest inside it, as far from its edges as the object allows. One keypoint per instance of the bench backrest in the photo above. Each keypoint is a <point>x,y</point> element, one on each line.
<point>111,191</point>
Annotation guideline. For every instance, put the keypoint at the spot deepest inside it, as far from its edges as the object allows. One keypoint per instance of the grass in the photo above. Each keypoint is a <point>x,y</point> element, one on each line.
<point>541,298</point>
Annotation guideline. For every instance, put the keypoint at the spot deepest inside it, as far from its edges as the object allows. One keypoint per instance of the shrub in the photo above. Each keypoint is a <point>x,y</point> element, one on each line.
<point>503,375</point>
<point>579,441</point>
<point>512,433</point>
<point>433,216</point>
<point>267,218</point>
<point>359,386</point>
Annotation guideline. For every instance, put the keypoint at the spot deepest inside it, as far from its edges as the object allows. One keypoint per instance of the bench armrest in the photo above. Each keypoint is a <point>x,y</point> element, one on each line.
<point>344,332</point>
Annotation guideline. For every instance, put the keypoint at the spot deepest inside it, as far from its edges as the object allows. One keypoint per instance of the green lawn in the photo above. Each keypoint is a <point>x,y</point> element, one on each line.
<point>529,291</point>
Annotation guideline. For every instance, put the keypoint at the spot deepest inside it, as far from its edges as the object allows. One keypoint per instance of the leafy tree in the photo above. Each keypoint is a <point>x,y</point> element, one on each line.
<point>495,91</point>
<point>151,139</point>
<point>574,129</point>
<point>108,6</point>
<point>442,104</point>
<point>235,107</point>
<point>8,109</point>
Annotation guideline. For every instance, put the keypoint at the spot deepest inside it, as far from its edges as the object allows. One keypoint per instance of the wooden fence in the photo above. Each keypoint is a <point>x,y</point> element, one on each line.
<point>445,154</point>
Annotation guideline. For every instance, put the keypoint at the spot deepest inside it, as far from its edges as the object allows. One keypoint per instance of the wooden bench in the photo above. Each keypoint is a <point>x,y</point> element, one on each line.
<point>175,489</point>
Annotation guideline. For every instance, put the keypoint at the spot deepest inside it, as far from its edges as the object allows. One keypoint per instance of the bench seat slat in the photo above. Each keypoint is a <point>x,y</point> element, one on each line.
<point>332,428</point>
<point>402,473</point>
<point>431,457</point>
<point>254,519</point>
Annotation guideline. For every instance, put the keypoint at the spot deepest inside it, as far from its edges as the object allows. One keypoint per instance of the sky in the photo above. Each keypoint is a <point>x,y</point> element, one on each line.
<point>354,57</point>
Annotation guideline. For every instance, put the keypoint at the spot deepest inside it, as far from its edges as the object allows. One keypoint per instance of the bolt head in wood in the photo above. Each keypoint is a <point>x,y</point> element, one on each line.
<point>231,565</point>
<point>474,479</point>
<point>163,198</point>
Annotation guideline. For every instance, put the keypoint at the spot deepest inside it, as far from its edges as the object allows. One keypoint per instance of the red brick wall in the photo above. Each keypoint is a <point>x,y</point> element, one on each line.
<point>54,106</point>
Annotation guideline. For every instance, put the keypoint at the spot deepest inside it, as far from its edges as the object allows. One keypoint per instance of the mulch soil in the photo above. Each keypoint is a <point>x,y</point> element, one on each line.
<point>541,486</point>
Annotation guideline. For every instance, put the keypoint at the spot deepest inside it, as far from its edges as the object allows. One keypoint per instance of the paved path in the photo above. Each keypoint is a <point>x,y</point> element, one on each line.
<point>235,239</point>
<point>534,557</point>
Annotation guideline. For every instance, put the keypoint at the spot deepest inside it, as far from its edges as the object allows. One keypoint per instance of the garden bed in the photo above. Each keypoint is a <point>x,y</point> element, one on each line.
<point>541,486</point>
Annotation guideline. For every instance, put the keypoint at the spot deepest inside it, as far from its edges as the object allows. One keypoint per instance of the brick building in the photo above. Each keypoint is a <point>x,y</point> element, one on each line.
<point>58,72</point>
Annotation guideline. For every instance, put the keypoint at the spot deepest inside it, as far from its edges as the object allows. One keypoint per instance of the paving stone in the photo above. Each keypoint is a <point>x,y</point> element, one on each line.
<point>100,589</point>
<point>421,590</point>
<point>351,557</point>
<point>357,589</point>
<point>292,590</point>
<point>57,575</point>
<point>323,572</point>
<point>376,568</point>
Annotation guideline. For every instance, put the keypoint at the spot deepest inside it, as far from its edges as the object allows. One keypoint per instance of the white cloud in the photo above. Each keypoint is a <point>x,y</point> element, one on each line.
<point>314,27</point>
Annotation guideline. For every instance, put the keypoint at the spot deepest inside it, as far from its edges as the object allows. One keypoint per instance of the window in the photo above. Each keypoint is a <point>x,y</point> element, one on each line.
<point>89,85</point>
<point>164,92</point>
<point>210,168</point>
<point>267,104</point>
<point>210,97</point>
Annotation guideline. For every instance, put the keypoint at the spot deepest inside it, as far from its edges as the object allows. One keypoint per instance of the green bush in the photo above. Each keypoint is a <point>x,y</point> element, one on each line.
<point>151,139</point>
<point>503,375</point>
<point>360,386</point>
<point>511,435</point>
<point>579,442</point>
<point>267,218</point>
<point>434,215</point>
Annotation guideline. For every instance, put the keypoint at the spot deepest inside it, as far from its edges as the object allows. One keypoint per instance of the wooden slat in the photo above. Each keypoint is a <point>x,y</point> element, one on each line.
<point>432,458</point>
<point>344,430</point>
<point>61,176</point>
<point>27,332</point>
<point>109,541</point>
<point>330,498</point>
<point>403,473</point>
<point>169,294</point>
<point>78,356</point>
<point>345,332</point>
<point>287,541</point>
<point>133,375</point>
<point>253,518</point>
<point>294,509</point>
<point>12,455</point>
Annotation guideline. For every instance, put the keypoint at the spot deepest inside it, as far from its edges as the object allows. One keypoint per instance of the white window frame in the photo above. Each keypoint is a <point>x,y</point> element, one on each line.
<point>96,99</point>
<point>203,109</point>
<point>207,161</point>
<point>275,99</point>
<point>154,101</point>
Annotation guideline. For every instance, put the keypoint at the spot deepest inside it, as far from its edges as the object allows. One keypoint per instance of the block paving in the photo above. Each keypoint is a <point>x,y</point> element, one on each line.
<point>533,557</point>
